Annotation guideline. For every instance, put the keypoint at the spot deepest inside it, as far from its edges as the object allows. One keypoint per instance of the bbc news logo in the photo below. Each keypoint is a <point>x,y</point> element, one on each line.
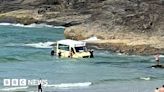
<point>23,82</point>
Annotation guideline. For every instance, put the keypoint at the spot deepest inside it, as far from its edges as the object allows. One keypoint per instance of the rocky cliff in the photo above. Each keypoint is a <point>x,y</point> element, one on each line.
<point>125,26</point>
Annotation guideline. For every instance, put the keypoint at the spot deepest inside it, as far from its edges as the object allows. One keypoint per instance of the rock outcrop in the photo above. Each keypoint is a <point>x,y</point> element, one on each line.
<point>137,24</point>
<point>125,26</point>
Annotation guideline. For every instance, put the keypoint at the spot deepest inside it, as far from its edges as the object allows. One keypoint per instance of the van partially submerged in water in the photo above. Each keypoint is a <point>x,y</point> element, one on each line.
<point>72,49</point>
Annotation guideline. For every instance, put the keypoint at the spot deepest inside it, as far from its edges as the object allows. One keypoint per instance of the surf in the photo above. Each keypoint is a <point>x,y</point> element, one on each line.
<point>34,25</point>
<point>70,85</point>
<point>145,78</point>
<point>13,88</point>
<point>40,45</point>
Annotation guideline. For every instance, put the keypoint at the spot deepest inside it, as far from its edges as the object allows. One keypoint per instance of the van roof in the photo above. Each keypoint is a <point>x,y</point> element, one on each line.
<point>72,43</point>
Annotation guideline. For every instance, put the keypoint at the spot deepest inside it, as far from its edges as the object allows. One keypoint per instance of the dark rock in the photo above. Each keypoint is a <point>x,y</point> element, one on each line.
<point>108,19</point>
<point>157,66</point>
<point>122,48</point>
<point>7,20</point>
<point>72,23</point>
<point>24,20</point>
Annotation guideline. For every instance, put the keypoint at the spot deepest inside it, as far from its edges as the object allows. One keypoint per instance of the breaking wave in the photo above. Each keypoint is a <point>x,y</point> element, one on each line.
<point>40,45</point>
<point>161,56</point>
<point>94,38</point>
<point>70,85</point>
<point>34,45</point>
<point>31,25</point>
<point>145,78</point>
<point>12,88</point>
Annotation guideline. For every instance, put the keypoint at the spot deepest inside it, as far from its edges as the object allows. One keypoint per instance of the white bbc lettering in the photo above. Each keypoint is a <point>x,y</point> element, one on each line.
<point>45,82</point>
<point>22,82</point>
<point>14,82</point>
<point>33,82</point>
<point>6,82</point>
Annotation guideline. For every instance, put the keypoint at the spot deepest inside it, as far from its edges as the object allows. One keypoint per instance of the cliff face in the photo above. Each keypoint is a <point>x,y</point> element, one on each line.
<point>132,22</point>
<point>126,26</point>
<point>137,16</point>
<point>132,15</point>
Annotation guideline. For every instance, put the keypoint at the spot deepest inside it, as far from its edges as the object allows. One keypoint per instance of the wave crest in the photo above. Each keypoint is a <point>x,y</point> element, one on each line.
<point>145,78</point>
<point>42,25</point>
<point>40,45</point>
<point>94,38</point>
<point>69,85</point>
<point>12,88</point>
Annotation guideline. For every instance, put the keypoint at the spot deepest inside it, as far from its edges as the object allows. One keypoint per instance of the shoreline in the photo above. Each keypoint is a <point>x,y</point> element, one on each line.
<point>143,50</point>
<point>119,39</point>
<point>127,42</point>
<point>123,46</point>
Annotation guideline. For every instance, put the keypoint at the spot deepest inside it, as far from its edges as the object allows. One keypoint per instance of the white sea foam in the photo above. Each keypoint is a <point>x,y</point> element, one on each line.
<point>69,85</point>
<point>161,55</point>
<point>13,88</point>
<point>120,54</point>
<point>145,78</point>
<point>35,45</point>
<point>94,38</point>
<point>40,45</point>
<point>31,25</point>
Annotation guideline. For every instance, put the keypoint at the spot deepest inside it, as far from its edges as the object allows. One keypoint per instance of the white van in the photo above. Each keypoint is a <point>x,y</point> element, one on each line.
<point>72,49</point>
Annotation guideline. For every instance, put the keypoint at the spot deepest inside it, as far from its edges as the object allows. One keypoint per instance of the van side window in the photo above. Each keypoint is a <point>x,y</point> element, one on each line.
<point>63,47</point>
<point>79,49</point>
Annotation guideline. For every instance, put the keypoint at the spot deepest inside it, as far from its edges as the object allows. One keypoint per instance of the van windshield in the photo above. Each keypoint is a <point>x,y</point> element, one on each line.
<point>63,47</point>
<point>80,49</point>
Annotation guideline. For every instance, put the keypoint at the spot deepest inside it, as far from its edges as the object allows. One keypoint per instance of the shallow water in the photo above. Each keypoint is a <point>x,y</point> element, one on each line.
<point>25,54</point>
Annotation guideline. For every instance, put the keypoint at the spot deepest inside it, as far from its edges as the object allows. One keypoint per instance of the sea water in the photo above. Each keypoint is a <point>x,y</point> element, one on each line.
<point>25,54</point>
